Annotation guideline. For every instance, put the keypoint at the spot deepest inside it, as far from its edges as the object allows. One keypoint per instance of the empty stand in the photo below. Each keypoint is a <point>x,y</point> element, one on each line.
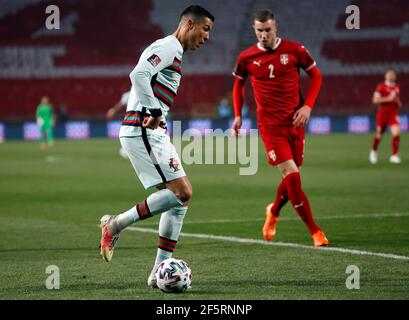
<point>86,64</point>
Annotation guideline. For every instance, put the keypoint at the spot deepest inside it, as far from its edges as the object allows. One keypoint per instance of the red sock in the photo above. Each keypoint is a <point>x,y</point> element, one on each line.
<point>395,144</point>
<point>281,199</point>
<point>375,143</point>
<point>299,201</point>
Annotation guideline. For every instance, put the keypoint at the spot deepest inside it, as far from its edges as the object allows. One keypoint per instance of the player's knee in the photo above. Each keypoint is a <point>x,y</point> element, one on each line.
<point>184,194</point>
<point>395,130</point>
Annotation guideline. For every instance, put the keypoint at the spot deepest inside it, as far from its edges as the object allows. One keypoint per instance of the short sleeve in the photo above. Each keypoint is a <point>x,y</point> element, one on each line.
<point>240,70</point>
<point>305,61</point>
<point>378,90</point>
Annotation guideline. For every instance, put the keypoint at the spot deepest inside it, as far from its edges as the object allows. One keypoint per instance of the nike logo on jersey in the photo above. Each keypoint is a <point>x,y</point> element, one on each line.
<point>258,63</point>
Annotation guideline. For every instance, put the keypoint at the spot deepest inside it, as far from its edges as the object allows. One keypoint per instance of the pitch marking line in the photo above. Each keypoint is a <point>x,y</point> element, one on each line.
<point>57,160</point>
<point>276,244</point>
<point>356,216</point>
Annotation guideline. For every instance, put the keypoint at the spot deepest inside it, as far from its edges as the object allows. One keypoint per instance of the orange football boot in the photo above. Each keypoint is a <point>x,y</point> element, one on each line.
<point>269,228</point>
<point>319,239</point>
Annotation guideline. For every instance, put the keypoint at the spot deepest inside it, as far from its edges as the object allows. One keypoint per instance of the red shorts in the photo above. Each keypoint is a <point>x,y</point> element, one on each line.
<point>283,143</point>
<point>386,117</point>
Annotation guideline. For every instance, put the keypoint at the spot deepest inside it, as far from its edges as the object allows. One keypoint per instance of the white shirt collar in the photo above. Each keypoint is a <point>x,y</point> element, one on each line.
<point>277,43</point>
<point>177,42</point>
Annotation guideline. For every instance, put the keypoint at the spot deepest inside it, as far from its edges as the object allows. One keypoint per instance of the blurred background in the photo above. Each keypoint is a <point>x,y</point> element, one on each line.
<point>84,66</point>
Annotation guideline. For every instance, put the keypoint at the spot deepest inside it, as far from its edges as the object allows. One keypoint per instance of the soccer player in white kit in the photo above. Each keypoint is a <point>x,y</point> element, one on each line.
<point>122,103</point>
<point>155,81</point>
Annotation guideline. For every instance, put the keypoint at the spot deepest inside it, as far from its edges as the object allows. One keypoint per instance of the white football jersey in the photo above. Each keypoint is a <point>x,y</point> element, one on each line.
<point>155,81</point>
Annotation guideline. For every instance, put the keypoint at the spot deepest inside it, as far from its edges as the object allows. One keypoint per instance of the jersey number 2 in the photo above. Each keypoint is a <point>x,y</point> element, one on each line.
<point>271,67</point>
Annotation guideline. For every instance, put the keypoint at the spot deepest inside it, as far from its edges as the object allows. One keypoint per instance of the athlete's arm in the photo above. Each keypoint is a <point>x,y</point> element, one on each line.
<point>302,115</point>
<point>112,111</point>
<point>150,63</point>
<point>238,100</point>
<point>399,102</point>
<point>378,99</point>
<point>141,79</point>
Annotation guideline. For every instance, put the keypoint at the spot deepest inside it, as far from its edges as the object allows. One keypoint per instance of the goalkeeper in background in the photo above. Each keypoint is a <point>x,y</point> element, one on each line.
<point>45,121</point>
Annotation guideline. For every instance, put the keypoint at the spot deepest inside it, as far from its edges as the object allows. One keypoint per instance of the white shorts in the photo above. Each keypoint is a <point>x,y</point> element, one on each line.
<point>154,159</point>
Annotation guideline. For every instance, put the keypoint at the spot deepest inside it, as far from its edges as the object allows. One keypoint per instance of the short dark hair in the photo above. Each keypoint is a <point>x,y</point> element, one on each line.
<point>391,69</point>
<point>197,12</point>
<point>264,15</point>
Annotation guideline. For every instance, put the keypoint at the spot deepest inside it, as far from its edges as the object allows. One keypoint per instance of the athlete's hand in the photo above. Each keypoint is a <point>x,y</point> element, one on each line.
<point>302,116</point>
<point>110,113</point>
<point>151,122</point>
<point>392,96</point>
<point>236,126</point>
<point>399,102</point>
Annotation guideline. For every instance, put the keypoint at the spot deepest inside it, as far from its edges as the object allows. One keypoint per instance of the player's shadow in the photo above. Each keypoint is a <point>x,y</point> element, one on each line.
<point>89,249</point>
<point>85,288</point>
<point>48,249</point>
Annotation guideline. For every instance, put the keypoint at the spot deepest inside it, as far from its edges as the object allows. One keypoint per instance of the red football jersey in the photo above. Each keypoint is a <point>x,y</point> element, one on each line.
<point>384,90</point>
<point>275,76</point>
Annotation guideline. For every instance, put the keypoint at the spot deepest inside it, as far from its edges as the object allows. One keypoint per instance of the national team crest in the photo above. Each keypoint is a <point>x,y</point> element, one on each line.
<point>284,59</point>
<point>174,164</point>
<point>272,155</point>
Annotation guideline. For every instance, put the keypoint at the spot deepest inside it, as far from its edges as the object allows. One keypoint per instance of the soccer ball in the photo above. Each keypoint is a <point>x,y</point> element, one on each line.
<point>173,276</point>
<point>123,154</point>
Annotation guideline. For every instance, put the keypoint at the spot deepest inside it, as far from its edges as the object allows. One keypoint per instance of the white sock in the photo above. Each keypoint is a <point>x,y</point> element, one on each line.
<point>156,203</point>
<point>170,225</point>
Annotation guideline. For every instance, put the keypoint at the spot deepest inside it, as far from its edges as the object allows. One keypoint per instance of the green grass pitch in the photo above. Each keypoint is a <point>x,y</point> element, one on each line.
<point>51,202</point>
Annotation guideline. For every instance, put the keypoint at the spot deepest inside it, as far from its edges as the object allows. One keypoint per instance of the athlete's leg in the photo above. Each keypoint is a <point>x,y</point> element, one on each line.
<point>176,194</point>
<point>50,137</point>
<point>395,130</point>
<point>43,138</point>
<point>111,226</point>
<point>280,200</point>
<point>151,173</point>
<point>377,137</point>
<point>273,212</point>
<point>171,221</point>
<point>277,148</point>
<point>299,200</point>
<point>373,155</point>
<point>170,224</point>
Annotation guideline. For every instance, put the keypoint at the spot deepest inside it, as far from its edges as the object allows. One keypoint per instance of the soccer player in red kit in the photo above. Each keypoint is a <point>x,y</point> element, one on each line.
<point>387,97</point>
<point>273,66</point>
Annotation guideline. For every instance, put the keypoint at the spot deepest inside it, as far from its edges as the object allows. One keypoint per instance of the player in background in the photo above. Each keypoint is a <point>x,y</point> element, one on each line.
<point>155,81</point>
<point>121,104</point>
<point>45,121</point>
<point>387,97</point>
<point>273,66</point>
